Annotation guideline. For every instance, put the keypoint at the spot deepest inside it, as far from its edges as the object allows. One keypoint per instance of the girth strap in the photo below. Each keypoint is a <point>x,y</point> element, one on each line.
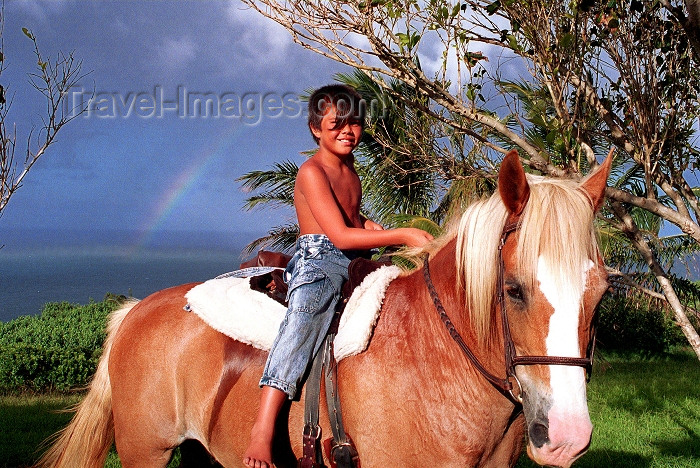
<point>342,452</point>
<point>311,453</point>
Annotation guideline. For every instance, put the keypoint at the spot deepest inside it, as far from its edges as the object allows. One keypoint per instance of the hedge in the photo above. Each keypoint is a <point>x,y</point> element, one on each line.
<point>626,325</point>
<point>57,350</point>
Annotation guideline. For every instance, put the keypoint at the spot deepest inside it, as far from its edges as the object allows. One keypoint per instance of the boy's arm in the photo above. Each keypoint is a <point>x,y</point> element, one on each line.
<point>371,225</point>
<point>316,189</point>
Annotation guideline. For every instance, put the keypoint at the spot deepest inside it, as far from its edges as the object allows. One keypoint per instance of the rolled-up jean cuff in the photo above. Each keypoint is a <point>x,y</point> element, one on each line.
<point>289,389</point>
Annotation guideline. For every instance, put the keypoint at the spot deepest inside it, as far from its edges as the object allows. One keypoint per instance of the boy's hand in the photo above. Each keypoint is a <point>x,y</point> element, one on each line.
<point>415,237</point>
<point>372,226</point>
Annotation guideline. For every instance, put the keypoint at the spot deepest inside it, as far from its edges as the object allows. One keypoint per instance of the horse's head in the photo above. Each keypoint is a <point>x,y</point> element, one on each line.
<point>553,279</point>
<point>545,266</point>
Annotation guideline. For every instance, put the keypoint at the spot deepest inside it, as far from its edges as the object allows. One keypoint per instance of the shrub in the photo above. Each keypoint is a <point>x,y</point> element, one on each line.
<point>57,350</point>
<point>634,325</point>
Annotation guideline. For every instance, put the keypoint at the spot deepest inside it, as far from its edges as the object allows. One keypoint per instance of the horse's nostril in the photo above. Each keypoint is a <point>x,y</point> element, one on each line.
<point>539,434</point>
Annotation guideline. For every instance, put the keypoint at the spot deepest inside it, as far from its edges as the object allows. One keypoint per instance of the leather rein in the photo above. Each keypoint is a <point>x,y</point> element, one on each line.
<point>505,385</point>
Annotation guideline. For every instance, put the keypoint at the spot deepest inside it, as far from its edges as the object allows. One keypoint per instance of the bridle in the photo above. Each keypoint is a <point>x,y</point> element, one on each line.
<point>505,385</point>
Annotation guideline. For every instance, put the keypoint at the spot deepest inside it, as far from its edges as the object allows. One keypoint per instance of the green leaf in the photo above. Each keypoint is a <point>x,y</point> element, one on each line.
<point>472,58</point>
<point>408,40</point>
<point>28,33</point>
<point>471,92</point>
<point>551,137</point>
<point>567,40</point>
<point>419,222</point>
<point>493,8</point>
<point>513,42</point>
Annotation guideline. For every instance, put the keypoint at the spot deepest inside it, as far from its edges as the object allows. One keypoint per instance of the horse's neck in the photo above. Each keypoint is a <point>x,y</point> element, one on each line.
<point>410,307</point>
<point>410,314</point>
<point>411,337</point>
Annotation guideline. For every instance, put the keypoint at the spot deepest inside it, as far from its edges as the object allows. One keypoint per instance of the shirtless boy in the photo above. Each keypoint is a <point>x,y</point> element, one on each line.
<point>327,196</point>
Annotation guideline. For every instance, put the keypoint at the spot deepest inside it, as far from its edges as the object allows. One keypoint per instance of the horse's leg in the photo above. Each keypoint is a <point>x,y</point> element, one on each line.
<point>509,449</point>
<point>194,455</point>
<point>147,458</point>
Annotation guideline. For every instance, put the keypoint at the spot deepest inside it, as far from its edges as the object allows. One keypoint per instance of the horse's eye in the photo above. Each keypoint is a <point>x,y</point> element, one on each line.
<point>515,292</point>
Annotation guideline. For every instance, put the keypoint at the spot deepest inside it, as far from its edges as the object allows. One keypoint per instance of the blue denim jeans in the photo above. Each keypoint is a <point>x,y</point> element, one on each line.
<point>315,275</point>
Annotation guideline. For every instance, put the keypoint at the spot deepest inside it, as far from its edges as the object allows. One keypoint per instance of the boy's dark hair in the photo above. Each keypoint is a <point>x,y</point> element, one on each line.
<point>348,103</point>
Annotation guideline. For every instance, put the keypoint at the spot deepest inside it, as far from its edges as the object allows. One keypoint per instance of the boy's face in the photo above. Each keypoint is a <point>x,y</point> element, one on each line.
<point>341,140</point>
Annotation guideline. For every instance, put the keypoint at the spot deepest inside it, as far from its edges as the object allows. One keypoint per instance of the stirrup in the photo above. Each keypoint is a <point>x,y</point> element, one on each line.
<point>342,454</point>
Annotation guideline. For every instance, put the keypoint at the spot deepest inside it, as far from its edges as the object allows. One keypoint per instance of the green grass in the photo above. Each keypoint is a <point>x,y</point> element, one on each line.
<point>646,414</point>
<point>26,421</point>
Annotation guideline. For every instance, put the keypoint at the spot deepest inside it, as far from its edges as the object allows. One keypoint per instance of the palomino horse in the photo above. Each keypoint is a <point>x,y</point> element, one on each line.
<point>412,399</point>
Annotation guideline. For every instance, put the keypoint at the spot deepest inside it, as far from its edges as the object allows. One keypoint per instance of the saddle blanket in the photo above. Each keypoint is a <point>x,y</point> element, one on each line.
<point>230,306</point>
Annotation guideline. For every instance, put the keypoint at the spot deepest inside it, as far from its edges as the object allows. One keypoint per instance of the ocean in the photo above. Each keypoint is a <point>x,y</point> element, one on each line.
<point>79,273</point>
<point>29,281</point>
<point>31,276</point>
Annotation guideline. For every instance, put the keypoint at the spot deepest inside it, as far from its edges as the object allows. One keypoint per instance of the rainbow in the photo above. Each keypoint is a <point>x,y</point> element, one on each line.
<point>170,199</point>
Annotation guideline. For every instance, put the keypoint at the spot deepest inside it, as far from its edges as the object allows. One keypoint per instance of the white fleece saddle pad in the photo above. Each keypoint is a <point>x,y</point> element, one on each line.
<point>229,305</point>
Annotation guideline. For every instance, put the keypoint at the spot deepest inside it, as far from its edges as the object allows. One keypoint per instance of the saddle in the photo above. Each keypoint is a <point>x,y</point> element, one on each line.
<point>273,283</point>
<point>340,448</point>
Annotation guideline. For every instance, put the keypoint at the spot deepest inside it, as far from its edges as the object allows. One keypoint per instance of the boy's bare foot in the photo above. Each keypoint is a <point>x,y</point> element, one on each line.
<point>259,453</point>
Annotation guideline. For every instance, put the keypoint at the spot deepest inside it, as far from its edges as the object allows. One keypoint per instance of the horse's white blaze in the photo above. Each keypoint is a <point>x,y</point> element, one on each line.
<point>567,383</point>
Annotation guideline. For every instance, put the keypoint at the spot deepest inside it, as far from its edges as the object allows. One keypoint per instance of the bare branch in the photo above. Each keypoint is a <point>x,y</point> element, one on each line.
<point>609,74</point>
<point>53,80</point>
<point>632,232</point>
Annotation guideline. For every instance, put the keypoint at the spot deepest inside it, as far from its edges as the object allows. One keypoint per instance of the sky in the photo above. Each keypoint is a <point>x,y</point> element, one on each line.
<point>148,160</point>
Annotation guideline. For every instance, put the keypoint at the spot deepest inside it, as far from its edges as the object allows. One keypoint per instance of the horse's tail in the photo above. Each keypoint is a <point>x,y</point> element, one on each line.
<point>86,441</point>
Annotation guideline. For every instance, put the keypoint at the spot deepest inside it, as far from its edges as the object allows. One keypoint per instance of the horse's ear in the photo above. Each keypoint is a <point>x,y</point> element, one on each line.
<point>512,184</point>
<point>594,184</point>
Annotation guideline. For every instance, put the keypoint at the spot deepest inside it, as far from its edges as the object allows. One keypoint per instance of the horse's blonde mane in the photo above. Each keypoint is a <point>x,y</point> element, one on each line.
<point>556,224</point>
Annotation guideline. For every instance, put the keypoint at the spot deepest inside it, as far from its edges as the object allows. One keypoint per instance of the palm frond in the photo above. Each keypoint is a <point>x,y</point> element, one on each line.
<point>282,176</point>
<point>419,222</point>
<point>677,248</point>
<point>271,199</point>
<point>282,238</point>
<point>277,182</point>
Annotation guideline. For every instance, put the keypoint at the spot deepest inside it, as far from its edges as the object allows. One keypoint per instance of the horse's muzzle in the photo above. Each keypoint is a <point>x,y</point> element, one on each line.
<point>538,432</point>
<point>559,441</point>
